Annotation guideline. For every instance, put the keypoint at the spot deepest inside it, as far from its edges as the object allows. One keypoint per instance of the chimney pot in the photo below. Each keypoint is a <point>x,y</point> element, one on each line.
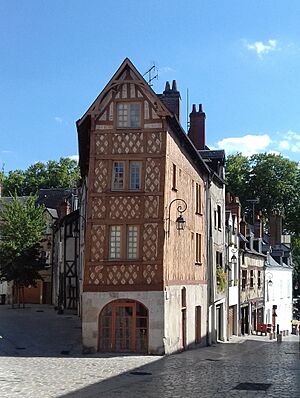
<point>174,85</point>
<point>167,88</point>
<point>197,127</point>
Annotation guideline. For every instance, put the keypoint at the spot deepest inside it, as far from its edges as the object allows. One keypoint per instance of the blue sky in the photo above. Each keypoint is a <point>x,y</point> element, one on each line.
<point>240,59</point>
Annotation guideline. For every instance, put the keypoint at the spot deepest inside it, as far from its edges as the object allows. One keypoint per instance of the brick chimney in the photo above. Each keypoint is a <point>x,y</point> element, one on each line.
<point>64,208</point>
<point>275,228</point>
<point>233,204</point>
<point>243,227</point>
<point>197,127</point>
<point>171,98</point>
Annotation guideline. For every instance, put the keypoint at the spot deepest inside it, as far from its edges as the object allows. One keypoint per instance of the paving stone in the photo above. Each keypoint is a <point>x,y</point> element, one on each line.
<point>40,370</point>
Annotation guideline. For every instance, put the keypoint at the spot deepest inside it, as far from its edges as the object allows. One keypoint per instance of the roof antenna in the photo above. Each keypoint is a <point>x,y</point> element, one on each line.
<point>187,110</point>
<point>152,74</point>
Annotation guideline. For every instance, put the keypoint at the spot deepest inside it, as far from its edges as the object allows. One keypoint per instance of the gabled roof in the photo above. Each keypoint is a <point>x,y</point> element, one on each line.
<point>84,123</point>
<point>115,81</point>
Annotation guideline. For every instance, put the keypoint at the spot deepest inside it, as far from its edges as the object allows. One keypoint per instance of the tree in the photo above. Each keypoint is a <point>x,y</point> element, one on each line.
<point>275,180</point>
<point>271,178</point>
<point>21,229</point>
<point>237,176</point>
<point>52,174</point>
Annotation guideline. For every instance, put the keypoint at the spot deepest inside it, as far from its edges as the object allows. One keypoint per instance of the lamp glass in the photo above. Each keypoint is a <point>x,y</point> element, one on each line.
<point>180,223</point>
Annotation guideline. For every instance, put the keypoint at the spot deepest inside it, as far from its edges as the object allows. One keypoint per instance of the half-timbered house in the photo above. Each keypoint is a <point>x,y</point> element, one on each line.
<point>145,278</point>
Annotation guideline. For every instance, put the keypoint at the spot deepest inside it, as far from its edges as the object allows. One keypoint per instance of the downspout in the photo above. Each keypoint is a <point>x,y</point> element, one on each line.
<point>208,257</point>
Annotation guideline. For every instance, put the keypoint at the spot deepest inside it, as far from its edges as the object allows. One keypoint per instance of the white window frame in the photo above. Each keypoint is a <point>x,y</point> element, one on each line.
<point>129,115</point>
<point>135,174</point>
<point>115,249</point>
<point>132,242</point>
<point>118,183</point>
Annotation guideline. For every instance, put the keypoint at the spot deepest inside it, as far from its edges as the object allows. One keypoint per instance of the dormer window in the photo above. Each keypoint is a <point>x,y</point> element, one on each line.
<point>128,115</point>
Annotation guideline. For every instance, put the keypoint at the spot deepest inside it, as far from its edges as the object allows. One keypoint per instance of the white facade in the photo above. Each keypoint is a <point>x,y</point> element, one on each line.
<point>278,294</point>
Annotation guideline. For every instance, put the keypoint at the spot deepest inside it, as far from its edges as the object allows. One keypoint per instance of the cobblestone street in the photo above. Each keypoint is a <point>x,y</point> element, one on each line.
<point>40,357</point>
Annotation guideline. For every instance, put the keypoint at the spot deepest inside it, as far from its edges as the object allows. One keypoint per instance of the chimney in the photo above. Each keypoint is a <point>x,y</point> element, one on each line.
<point>171,98</point>
<point>64,208</point>
<point>233,204</point>
<point>258,232</point>
<point>243,227</point>
<point>275,228</point>
<point>197,127</point>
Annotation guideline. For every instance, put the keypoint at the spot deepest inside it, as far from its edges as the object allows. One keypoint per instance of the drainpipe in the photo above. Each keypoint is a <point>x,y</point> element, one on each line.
<point>208,258</point>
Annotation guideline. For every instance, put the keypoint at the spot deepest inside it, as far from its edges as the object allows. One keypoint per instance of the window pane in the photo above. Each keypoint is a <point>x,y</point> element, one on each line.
<point>135,115</point>
<point>122,115</point>
<point>118,175</point>
<point>132,239</point>
<point>135,174</point>
<point>115,242</point>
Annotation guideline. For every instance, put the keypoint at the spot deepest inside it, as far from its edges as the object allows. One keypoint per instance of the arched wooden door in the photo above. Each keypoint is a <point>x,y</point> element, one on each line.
<point>123,327</point>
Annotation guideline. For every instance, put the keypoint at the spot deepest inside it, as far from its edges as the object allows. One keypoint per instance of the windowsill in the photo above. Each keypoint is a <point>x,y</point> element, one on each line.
<point>198,263</point>
<point>198,214</point>
<point>123,260</point>
<point>129,128</point>
<point>125,190</point>
<point>174,189</point>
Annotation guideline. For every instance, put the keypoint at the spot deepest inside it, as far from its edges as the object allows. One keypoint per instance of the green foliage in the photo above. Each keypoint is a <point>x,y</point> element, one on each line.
<point>53,174</point>
<point>271,178</point>
<point>21,229</point>
<point>221,279</point>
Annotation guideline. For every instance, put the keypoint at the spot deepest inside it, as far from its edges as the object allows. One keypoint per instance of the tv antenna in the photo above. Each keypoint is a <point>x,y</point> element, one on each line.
<point>152,74</point>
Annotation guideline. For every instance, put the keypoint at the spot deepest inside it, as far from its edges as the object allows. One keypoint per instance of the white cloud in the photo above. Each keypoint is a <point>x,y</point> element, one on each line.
<point>6,151</point>
<point>74,157</point>
<point>165,69</point>
<point>60,120</point>
<point>247,144</point>
<point>262,48</point>
<point>284,145</point>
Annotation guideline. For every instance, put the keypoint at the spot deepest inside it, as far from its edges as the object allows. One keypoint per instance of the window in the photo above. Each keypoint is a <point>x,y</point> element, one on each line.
<point>251,279</point>
<point>132,242</point>
<point>123,242</point>
<point>258,280</point>
<point>174,178</point>
<point>215,218</point>
<point>198,249</point>
<point>126,175</point>
<point>219,259</point>
<point>198,199</point>
<point>128,115</point>
<point>219,217</point>
<point>115,242</point>
<point>118,176</point>
<point>244,279</point>
<point>135,176</point>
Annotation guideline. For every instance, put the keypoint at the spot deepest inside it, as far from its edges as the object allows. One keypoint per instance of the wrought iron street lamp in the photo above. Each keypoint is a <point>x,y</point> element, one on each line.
<point>180,221</point>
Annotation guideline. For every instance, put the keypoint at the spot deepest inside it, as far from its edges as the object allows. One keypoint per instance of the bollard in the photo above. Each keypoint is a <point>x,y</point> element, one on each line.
<point>279,338</point>
<point>283,333</point>
<point>271,336</point>
<point>286,332</point>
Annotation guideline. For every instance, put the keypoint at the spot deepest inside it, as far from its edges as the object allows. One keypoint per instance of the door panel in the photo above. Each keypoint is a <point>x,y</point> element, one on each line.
<point>124,327</point>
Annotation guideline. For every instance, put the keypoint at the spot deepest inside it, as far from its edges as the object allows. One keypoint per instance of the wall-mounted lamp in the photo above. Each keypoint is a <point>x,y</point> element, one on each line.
<point>231,263</point>
<point>180,221</point>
